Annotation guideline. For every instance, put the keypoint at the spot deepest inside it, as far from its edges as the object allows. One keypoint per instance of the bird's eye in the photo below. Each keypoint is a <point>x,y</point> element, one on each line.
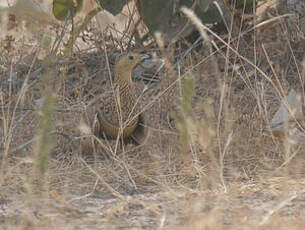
<point>131,57</point>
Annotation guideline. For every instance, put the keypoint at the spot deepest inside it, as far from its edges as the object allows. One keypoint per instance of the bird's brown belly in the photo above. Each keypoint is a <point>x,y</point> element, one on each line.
<point>113,131</point>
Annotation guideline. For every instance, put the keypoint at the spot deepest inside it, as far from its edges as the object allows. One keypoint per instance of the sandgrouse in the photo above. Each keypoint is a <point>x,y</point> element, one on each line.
<point>118,112</point>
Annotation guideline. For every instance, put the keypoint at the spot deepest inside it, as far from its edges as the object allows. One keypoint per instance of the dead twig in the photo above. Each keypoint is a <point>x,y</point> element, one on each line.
<point>27,143</point>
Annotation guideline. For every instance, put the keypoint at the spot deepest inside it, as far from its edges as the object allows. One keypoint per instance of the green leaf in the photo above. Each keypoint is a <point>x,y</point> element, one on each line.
<point>204,4</point>
<point>63,8</point>
<point>210,16</point>
<point>165,16</point>
<point>187,3</point>
<point>156,14</point>
<point>113,6</point>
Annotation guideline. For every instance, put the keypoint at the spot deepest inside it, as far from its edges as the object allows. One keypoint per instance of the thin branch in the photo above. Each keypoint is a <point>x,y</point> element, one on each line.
<point>24,145</point>
<point>277,208</point>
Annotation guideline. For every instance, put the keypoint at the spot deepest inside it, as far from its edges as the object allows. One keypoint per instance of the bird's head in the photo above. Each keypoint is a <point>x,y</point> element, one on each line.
<point>125,65</point>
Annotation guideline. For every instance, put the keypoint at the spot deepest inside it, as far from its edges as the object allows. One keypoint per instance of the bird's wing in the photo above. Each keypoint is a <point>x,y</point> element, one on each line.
<point>141,133</point>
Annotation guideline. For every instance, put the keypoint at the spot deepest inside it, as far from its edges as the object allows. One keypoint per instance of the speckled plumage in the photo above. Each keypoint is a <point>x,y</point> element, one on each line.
<point>117,113</point>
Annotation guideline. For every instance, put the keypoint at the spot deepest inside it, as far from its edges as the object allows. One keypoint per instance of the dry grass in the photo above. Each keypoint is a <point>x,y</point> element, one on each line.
<point>207,163</point>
